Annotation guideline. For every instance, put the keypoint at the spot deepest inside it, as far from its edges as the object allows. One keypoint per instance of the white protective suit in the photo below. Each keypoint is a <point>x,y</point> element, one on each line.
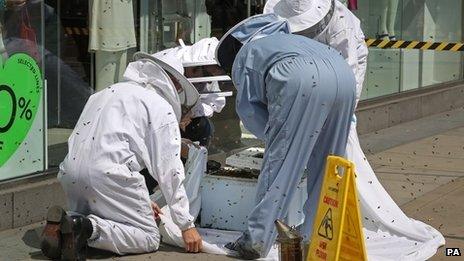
<point>202,51</point>
<point>386,227</point>
<point>123,129</point>
<point>343,32</point>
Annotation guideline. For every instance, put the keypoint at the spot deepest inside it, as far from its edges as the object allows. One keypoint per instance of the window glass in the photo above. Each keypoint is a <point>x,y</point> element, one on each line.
<point>22,114</point>
<point>395,70</point>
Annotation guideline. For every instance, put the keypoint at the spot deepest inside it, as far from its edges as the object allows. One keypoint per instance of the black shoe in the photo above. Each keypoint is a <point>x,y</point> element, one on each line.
<point>382,37</point>
<point>51,235</point>
<point>245,252</point>
<point>75,231</point>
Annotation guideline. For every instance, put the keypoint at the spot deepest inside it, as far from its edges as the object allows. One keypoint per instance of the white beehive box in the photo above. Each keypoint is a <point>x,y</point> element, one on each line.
<point>226,202</point>
<point>250,158</point>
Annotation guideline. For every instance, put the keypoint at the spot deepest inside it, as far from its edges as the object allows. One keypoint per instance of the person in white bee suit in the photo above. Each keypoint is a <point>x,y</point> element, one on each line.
<point>331,23</point>
<point>123,129</point>
<point>196,126</point>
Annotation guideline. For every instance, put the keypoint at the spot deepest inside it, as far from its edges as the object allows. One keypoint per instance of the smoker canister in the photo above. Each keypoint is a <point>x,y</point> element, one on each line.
<point>289,242</point>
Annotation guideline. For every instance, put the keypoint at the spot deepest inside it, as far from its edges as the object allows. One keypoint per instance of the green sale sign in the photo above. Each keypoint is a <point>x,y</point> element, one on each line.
<point>21,88</point>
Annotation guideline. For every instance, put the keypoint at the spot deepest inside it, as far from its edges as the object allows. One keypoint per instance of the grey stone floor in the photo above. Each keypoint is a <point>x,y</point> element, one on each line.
<point>421,165</point>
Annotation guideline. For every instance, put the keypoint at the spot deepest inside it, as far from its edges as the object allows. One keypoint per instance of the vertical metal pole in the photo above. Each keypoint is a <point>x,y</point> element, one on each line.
<point>58,87</point>
<point>92,54</point>
<point>462,39</point>
<point>44,90</point>
<point>151,26</point>
<point>45,124</point>
<point>159,18</point>
<point>401,51</point>
<point>144,25</point>
<point>421,52</point>
<point>193,19</point>
<point>248,8</point>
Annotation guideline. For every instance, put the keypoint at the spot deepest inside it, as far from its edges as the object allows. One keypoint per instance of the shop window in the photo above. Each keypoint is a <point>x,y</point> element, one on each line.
<point>396,70</point>
<point>22,114</point>
<point>57,35</point>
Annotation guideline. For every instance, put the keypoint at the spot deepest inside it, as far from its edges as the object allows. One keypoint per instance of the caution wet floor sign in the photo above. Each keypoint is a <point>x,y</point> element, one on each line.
<point>337,232</point>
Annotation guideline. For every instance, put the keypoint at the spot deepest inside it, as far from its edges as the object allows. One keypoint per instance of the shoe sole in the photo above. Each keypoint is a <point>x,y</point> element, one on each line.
<point>72,248</point>
<point>51,236</point>
<point>69,246</point>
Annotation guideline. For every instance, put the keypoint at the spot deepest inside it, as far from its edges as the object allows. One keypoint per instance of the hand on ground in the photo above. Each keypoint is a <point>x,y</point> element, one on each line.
<point>192,240</point>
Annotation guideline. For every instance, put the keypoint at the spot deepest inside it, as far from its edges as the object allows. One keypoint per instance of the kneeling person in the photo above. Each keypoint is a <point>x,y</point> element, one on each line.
<point>123,129</point>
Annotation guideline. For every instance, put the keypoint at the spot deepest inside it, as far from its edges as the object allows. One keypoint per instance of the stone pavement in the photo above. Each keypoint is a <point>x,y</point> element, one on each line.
<point>420,163</point>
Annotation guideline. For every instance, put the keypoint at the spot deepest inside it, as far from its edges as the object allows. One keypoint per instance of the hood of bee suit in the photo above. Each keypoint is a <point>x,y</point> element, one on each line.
<point>152,71</point>
<point>250,29</point>
<point>300,14</point>
<point>201,51</point>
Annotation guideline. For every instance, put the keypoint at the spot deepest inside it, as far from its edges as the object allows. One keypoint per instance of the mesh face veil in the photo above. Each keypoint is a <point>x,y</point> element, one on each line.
<point>182,95</point>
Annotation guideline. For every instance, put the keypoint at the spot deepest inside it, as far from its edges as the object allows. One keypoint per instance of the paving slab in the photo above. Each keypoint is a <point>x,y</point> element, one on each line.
<point>442,209</point>
<point>418,162</point>
<point>412,131</point>
<point>411,170</point>
<point>404,188</point>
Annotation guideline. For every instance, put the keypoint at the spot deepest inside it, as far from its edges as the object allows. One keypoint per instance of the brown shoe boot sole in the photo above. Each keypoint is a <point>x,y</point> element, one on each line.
<point>51,235</point>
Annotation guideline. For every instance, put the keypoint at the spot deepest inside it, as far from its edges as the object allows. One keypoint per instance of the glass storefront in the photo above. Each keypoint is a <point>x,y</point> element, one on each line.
<point>396,70</point>
<point>82,46</point>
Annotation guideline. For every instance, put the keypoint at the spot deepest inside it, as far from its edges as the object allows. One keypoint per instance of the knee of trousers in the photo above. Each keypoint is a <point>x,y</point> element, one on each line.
<point>153,241</point>
<point>146,243</point>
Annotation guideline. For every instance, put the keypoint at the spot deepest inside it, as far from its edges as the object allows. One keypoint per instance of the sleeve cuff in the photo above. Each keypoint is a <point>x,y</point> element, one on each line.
<point>187,226</point>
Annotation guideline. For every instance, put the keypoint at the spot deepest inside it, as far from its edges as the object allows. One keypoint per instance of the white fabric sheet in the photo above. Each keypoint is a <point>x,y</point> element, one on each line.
<point>389,233</point>
<point>213,240</point>
<point>402,239</point>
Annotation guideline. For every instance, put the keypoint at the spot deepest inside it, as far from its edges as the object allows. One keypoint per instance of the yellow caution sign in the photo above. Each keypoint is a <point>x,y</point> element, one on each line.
<point>337,231</point>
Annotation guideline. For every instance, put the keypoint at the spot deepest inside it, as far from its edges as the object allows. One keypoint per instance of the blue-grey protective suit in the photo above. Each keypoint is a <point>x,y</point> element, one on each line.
<point>297,95</point>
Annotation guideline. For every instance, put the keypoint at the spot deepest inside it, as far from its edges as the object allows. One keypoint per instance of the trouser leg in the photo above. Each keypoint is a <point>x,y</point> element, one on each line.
<point>118,204</point>
<point>392,10</point>
<point>109,68</point>
<point>122,238</point>
<point>383,18</point>
<point>332,141</point>
<point>301,104</point>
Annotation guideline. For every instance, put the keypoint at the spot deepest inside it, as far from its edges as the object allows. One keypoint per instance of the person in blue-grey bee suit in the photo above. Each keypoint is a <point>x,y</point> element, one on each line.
<point>297,95</point>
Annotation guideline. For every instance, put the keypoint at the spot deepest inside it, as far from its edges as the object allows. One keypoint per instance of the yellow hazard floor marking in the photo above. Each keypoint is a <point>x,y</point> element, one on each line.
<point>397,44</point>
<point>401,44</point>
<point>426,46</point>
<point>383,43</point>
<point>456,47</point>
<point>441,46</point>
